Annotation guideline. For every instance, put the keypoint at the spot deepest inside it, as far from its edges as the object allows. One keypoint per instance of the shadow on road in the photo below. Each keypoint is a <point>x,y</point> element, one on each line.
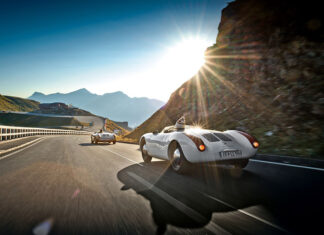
<point>184,200</point>
<point>89,144</point>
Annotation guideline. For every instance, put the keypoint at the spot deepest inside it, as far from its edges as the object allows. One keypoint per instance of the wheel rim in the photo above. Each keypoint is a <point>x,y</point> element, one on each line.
<point>176,159</point>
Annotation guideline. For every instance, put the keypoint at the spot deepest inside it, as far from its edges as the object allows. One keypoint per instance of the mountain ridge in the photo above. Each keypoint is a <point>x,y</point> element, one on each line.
<point>115,105</point>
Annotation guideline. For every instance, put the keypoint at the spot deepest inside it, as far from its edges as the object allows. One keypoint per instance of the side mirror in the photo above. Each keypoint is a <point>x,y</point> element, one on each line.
<point>155,132</point>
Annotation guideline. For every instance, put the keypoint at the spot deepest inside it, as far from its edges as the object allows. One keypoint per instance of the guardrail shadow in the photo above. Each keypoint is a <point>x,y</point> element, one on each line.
<point>183,200</point>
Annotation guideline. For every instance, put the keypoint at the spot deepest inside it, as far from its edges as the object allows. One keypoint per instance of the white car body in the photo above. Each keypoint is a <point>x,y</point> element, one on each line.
<point>103,137</point>
<point>219,146</point>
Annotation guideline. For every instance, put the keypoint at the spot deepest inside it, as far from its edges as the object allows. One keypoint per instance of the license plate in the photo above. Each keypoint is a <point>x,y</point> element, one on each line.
<point>228,154</point>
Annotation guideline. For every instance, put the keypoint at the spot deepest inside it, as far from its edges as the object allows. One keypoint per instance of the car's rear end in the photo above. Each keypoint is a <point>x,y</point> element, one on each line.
<point>213,146</point>
<point>106,137</point>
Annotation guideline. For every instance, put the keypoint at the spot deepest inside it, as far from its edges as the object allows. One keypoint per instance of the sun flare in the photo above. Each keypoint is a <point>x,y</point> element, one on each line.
<point>185,58</point>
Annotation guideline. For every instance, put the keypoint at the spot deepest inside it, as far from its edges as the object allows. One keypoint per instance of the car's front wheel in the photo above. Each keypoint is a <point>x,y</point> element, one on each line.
<point>178,161</point>
<point>146,157</point>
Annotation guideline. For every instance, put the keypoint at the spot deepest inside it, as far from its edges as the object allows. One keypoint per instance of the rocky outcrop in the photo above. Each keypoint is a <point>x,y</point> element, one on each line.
<point>264,75</point>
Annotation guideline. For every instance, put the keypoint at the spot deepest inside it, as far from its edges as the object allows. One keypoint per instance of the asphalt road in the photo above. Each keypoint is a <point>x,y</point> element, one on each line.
<point>65,185</point>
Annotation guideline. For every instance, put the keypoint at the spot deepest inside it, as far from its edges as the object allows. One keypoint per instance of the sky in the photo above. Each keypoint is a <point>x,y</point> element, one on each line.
<point>142,48</point>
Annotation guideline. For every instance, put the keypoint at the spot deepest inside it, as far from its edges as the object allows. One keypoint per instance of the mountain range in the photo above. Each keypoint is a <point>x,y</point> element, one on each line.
<point>116,106</point>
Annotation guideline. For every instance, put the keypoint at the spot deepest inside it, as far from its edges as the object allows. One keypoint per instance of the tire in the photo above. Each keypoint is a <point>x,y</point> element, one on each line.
<point>146,157</point>
<point>242,163</point>
<point>178,161</point>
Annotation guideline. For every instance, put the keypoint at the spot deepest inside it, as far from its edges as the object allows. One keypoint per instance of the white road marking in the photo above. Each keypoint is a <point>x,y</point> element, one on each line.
<point>18,151</point>
<point>212,227</point>
<point>122,156</point>
<point>286,164</point>
<point>247,213</point>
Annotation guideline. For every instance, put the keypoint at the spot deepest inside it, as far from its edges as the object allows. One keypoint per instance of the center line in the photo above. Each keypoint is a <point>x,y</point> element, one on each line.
<point>121,156</point>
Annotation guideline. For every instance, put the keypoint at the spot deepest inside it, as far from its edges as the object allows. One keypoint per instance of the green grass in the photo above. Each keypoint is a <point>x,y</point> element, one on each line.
<point>10,103</point>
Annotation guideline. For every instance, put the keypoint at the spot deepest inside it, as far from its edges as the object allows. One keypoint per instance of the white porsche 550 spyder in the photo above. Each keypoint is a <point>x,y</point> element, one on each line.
<point>103,137</point>
<point>187,144</point>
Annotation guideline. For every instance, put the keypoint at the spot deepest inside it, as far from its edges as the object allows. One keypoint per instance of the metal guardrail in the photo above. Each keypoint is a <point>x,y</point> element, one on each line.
<point>13,132</point>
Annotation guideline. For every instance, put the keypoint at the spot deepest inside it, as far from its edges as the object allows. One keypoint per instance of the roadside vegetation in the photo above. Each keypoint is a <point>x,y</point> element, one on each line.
<point>10,103</point>
<point>112,126</point>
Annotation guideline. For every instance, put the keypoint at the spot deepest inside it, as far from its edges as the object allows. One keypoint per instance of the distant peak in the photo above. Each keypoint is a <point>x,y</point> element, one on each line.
<point>116,93</point>
<point>83,90</point>
<point>37,93</point>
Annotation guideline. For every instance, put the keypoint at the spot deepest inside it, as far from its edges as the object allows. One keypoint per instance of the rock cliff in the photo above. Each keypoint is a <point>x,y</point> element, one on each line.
<point>264,75</point>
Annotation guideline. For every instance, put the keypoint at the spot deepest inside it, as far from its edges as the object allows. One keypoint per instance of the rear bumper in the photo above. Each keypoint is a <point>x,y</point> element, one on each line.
<point>194,156</point>
<point>213,159</point>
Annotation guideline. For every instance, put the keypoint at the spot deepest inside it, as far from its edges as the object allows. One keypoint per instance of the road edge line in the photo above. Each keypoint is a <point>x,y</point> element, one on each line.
<point>22,147</point>
<point>247,213</point>
<point>287,164</point>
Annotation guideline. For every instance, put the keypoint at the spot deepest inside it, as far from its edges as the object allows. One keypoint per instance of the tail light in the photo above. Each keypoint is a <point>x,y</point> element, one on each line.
<point>198,142</point>
<point>252,140</point>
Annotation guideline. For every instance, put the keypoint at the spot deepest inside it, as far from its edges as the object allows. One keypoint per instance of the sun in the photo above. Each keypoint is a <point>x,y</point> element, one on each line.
<point>185,58</point>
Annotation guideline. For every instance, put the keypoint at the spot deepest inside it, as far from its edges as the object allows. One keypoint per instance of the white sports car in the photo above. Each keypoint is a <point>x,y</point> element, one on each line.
<point>186,145</point>
<point>103,137</point>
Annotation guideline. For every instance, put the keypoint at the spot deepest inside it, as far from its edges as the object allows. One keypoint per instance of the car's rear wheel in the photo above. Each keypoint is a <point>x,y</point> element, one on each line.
<point>146,157</point>
<point>242,163</point>
<point>114,142</point>
<point>178,161</point>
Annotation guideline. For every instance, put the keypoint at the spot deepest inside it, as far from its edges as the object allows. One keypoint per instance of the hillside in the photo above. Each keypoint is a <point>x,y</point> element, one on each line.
<point>13,119</point>
<point>10,103</point>
<point>263,75</point>
<point>116,106</point>
<point>48,114</point>
<point>61,109</point>
<point>112,126</point>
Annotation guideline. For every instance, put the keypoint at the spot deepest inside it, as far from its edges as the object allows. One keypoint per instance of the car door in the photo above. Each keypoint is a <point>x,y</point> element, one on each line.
<point>155,144</point>
<point>165,139</point>
<point>164,142</point>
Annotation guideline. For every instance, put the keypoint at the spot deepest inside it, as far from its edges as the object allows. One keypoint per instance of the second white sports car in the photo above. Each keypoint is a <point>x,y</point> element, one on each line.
<point>101,136</point>
<point>182,145</point>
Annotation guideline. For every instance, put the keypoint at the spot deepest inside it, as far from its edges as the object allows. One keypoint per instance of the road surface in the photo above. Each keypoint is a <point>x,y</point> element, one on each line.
<point>65,185</point>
